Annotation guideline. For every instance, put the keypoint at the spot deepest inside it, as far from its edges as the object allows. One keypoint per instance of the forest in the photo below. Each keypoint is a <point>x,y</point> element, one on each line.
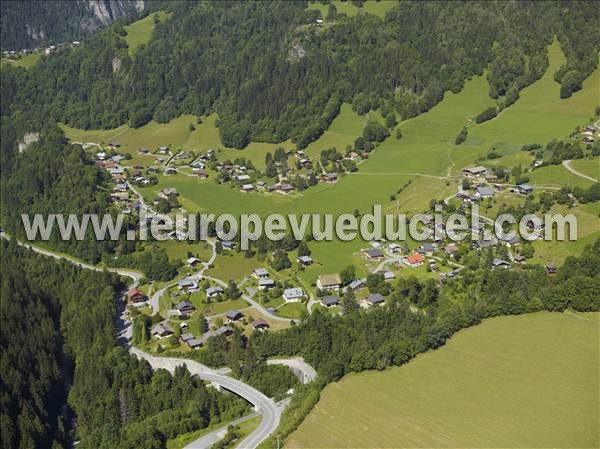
<point>61,365</point>
<point>272,74</point>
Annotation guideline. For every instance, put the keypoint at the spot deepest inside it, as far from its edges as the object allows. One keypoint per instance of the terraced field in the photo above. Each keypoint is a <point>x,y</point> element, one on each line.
<point>520,382</point>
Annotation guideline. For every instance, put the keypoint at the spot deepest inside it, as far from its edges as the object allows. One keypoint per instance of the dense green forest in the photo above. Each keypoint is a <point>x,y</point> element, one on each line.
<point>61,365</point>
<point>271,73</point>
<point>31,24</point>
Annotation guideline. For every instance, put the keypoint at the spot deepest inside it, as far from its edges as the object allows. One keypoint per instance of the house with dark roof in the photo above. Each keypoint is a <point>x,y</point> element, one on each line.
<point>234,315</point>
<point>266,284</point>
<point>260,273</point>
<point>499,263</point>
<point>259,324</point>
<point>374,299</point>
<point>524,189</point>
<point>184,308</point>
<point>330,301</point>
<point>161,330</point>
<point>305,260</point>
<point>356,284</point>
<point>373,253</point>
<point>136,295</point>
<point>213,292</point>
<point>194,343</point>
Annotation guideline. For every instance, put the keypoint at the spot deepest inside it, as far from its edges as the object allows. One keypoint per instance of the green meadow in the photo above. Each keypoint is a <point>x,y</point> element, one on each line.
<point>26,61</point>
<point>521,382</point>
<point>425,155</point>
<point>375,7</point>
<point>589,167</point>
<point>140,31</point>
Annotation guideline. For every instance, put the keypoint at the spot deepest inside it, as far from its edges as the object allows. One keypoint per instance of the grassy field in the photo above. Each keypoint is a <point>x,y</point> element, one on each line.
<point>26,61</point>
<point>426,148</point>
<point>590,167</point>
<point>378,8</point>
<point>519,382</point>
<point>140,32</point>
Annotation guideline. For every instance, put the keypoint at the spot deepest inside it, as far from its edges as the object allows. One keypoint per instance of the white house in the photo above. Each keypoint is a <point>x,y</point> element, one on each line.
<point>293,294</point>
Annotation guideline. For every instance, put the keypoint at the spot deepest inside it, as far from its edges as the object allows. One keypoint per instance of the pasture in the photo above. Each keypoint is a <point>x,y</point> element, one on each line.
<point>140,31</point>
<point>377,8</point>
<point>520,382</point>
<point>27,61</point>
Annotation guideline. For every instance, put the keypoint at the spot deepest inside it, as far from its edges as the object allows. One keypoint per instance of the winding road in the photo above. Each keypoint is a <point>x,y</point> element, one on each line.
<point>567,165</point>
<point>270,411</point>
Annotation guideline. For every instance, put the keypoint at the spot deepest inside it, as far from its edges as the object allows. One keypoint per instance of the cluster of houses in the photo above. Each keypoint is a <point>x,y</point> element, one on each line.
<point>16,54</point>
<point>589,132</point>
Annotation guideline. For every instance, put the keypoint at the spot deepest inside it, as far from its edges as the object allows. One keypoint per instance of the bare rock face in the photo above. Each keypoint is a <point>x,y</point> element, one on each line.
<point>116,64</point>
<point>27,140</point>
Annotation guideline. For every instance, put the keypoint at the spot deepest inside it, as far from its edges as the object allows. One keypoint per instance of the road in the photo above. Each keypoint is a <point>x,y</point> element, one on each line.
<point>206,441</point>
<point>270,411</point>
<point>155,299</point>
<point>567,165</point>
<point>303,371</point>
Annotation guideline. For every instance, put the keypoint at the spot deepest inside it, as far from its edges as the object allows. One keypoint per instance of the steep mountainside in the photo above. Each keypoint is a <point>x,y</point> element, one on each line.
<point>272,73</point>
<point>27,24</point>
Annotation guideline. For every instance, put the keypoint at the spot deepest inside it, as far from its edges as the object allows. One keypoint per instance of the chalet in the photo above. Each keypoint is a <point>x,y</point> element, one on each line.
<point>330,301</point>
<point>194,343</point>
<point>151,170</point>
<point>551,269</point>
<point>373,254</point>
<point>588,140</point>
<point>187,284</point>
<point>520,259</point>
<point>265,283</point>
<point>450,249</point>
<point>356,284</point>
<point>163,150</point>
<point>415,260</point>
<point>293,294</point>
<point>161,330</point>
<point>136,295</point>
<point>499,263</point>
<point>120,196</point>
<point>202,175</point>
<point>143,151</point>
<point>483,244</point>
<point>117,158</point>
<point>260,273</point>
<point>198,164</point>
<point>395,248</point>
<point>185,337</point>
<point>259,324</point>
<point>116,171</point>
<point>101,155</point>
<point>329,177</point>
<point>426,248</point>
<point>483,193</point>
<point>247,188</point>
<point>352,156</point>
<point>184,308</point>
<point>234,315</point>
<point>388,276</point>
<point>118,177</point>
<point>224,330</point>
<point>193,261</point>
<point>121,187</point>
<point>228,244</point>
<point>474,172</point>
<point>242,178</point>
<point>329,282</point>
<point>285,188</point>
<point>524,189</point>
<point>491,178</point>
<point>427,219</point>
<point>305,260</point>
<point>183,155</point>
<point>213,292</point>
<point>170,170</point>
<point>168,193</point>
<point>113,145</point>
<point>375,299</point>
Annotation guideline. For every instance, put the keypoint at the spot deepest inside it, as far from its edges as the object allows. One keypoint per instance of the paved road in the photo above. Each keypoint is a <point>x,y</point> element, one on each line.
<point>567,165</point>
<point>271,412</point>
<point>211,438</point>
<point>303,371</point>
<point>134,275</point>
